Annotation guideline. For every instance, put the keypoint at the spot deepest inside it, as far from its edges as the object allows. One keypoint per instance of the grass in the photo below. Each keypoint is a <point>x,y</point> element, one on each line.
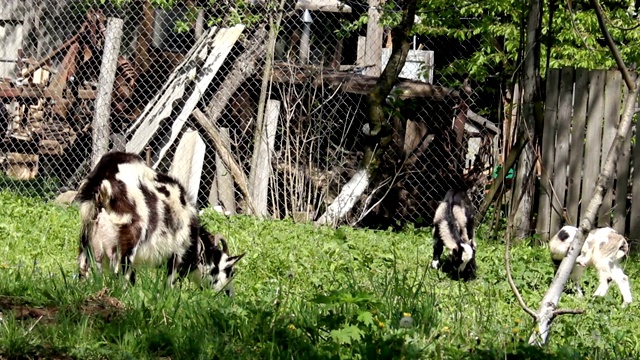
<point>302,293</point>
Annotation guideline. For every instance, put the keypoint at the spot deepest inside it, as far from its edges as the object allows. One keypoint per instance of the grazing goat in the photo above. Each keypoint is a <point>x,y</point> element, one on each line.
<point>603,249</point>
<point>132,215</point>
<point>454,229</point>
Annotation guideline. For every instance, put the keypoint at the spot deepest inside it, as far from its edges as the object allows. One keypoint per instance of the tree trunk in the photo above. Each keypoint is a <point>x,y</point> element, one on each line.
<point>521,226</point>
<point>379,132</point>
<point>547,310</point>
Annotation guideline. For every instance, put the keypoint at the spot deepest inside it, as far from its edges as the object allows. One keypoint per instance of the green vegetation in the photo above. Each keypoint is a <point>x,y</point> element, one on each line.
<point>302,293</point>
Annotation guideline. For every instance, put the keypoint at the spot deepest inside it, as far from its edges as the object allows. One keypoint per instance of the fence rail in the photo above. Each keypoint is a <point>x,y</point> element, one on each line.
<point>582,112</point>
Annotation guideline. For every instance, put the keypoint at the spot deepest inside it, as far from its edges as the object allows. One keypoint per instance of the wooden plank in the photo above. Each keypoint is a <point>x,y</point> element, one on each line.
<point>188,162</point>
<point>548,152</point>
<point>595,116</point>
<point>562,150</point>
<point>612,95</point>
<point>163,99</point>
<point>221,46</point>
<point>262,156</point>
<point>578,131</point>
<point>226,192</point>
<point>26,92</point>
<point>622,178</point>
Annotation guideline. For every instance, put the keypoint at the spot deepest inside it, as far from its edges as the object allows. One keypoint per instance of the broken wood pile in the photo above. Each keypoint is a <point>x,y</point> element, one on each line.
<point>48,107</point>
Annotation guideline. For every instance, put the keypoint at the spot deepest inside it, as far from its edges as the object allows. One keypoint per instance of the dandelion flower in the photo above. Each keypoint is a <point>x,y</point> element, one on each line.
<point>406,322</point>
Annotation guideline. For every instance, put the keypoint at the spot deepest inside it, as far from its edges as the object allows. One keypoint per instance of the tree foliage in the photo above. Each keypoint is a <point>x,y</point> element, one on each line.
<point>497,27</point>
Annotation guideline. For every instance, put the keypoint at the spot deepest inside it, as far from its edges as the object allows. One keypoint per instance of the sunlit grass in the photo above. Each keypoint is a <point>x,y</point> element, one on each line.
<point>302,292</point>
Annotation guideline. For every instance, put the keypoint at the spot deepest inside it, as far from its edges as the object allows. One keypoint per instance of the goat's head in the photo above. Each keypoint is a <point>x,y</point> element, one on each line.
<point>218,269</point>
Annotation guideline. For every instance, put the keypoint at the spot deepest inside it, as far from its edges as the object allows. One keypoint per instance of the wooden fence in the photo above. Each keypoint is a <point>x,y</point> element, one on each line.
<point>582,112</point>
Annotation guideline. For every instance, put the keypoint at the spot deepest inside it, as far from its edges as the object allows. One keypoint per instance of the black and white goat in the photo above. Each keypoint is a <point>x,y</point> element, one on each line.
<point>453,229</point>
<point>132,215</point>
<point>603,249</point>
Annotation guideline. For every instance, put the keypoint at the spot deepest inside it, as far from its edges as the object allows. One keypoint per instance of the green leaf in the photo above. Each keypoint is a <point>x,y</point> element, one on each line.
<point>366,318</point>
<point>346,335</point>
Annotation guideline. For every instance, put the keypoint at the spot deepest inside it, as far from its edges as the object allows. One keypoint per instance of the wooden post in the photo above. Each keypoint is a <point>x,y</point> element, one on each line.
<point>373,44</point>
<point>226,192</point>
<point>188,161</point>
<point>362,51</point>
<point>261,164</point>
<point>306,37</point>
<point>101,127</point>
<point>213,192</point>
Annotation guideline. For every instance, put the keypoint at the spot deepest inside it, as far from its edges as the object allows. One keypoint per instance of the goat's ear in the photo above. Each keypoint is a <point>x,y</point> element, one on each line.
<point>232,260</point>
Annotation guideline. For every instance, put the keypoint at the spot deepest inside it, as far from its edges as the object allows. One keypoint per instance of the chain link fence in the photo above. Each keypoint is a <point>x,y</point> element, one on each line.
<point>189,85</point>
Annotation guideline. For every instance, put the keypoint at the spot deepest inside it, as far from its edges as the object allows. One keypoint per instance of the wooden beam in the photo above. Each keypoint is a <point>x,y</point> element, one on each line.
<point>358,84</point>
<point>34,92</point>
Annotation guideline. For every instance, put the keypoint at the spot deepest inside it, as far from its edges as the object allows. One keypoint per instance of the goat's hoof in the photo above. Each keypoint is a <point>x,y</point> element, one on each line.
<point>435,264</point>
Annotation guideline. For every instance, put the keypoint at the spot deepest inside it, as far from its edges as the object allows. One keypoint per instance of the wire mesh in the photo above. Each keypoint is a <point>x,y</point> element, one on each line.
<point>310,83</point>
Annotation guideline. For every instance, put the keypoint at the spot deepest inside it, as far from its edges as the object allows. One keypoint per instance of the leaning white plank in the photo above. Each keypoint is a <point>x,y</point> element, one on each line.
<point>188,161</point>
<point>220,48</point>
<point>348,197</point>
<point>155,103</point>
<point>163,107</point>
<point>222,45</point>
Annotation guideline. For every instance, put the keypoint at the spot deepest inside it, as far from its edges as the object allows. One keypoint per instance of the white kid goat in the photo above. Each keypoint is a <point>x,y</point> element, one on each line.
<point>603,249</point>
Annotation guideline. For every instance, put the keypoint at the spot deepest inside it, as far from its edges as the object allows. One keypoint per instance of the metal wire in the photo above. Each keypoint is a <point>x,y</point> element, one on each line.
<point>318,80</point>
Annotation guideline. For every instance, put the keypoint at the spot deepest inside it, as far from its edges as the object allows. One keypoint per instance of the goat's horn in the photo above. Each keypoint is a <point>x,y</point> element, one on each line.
<point>225,247</point>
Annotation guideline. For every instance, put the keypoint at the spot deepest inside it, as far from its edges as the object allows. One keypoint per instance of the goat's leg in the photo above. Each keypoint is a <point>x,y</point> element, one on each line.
<point>575,276</point>
<point>83,263</point>
<point>126,265</point>
<point>622,280</point>
<point>605,277</point>
<point>438,246</point>
<point>172,270</point>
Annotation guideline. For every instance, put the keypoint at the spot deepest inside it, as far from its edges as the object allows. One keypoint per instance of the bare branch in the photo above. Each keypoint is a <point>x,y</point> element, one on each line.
<point>567,311</point>
<point>507,264</point>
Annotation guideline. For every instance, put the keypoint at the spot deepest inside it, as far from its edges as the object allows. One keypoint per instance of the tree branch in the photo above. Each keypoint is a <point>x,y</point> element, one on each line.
<point>612,46</point>
<point>512,284</point>
<point>567,311</point>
